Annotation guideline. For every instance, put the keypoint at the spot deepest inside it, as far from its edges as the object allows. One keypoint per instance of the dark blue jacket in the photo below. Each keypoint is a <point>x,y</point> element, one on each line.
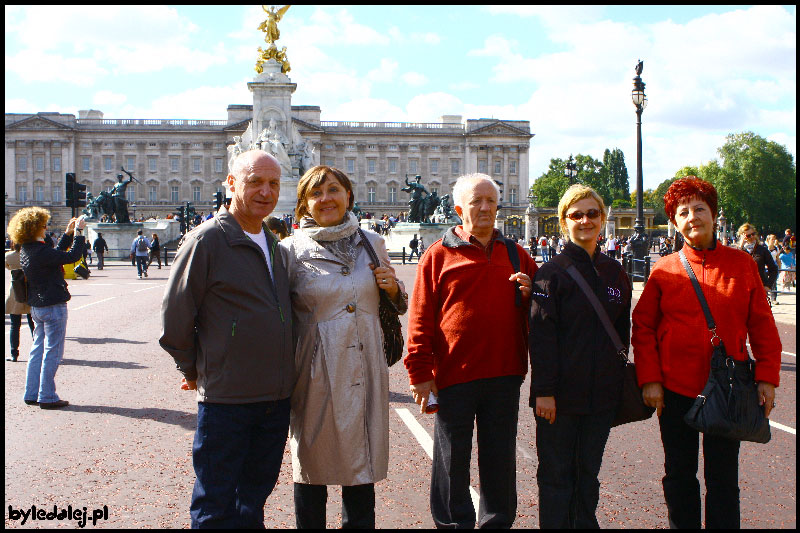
<point>42,267</point>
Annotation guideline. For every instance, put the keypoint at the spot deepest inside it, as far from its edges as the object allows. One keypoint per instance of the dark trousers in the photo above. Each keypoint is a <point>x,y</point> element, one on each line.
<point>494,404</point>
<point>570,453</point>
<point>155,254</point>
<point>681,487</point>
<point>100,262</point>
<point>358,506</point>
<point>141,264</point>
<point>16,323</point>
<point>237,455</point>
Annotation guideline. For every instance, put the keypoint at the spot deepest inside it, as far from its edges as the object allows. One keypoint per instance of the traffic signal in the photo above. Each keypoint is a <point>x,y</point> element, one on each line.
<point>218,199</point>
<point>70,189</point>
<point>80,195</point>
<point>179,216</point>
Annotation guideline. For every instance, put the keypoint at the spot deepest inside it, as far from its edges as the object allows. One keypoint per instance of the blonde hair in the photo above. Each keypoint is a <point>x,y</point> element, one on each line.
<point>576,193</point>
<point>744,228</point>
<point>26,224</point>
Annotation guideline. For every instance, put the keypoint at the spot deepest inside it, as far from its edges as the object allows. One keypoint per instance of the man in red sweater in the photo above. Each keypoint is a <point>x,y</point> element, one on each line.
<point>467,343</point>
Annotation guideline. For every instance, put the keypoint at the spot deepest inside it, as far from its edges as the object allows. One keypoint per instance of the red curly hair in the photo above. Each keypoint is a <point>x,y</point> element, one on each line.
<point>686,189</point>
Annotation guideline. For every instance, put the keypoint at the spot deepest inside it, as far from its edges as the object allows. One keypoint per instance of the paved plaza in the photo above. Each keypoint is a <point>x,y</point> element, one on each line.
<point>122,448</point>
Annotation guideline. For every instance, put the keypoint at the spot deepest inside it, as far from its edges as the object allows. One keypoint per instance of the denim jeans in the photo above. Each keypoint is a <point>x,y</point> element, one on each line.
<point>494,404</point>
<point>237,455</point>
<point>681,487</point>
<point>141,264</point>
<point>47,350</point>
<point>570,453</point>
<point>358,506</point>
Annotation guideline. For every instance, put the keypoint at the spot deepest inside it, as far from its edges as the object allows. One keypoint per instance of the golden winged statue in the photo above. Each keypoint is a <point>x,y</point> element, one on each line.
<point>270,26</point>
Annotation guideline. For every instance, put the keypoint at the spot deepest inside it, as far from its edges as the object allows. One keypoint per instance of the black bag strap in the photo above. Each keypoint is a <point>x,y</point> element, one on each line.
<point>712,326</point>
<point>598,307</point>
<point>370,250</point>
<point>513,256</point>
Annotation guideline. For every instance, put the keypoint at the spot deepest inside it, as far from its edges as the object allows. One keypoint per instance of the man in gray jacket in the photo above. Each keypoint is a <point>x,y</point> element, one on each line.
<point>226,319</point>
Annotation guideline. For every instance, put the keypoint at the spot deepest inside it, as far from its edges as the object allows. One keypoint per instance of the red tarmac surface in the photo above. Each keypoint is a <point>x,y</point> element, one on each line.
<point>125,440</point>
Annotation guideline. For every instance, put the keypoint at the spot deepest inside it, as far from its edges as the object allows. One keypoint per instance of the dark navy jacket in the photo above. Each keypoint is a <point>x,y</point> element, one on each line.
<point>42,267</point>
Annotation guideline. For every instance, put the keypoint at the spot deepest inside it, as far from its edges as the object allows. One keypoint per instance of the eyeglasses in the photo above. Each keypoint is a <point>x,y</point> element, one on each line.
<point>578,215</point>
<point>748,235</point>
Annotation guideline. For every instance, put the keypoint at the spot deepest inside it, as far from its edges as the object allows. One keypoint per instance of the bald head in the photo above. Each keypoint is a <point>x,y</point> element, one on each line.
<point>254,182</point>
<point>246,162</point>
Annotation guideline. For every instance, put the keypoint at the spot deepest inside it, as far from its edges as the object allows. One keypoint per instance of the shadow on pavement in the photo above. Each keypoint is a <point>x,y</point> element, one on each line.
<point>105,340</point>
<point>788,367</point>
<point>187,421</point>
<point>126,365</point>
<point>399,397</point>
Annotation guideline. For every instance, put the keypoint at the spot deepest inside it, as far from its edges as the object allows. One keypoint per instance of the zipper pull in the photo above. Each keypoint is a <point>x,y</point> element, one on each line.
<point>233,328</point>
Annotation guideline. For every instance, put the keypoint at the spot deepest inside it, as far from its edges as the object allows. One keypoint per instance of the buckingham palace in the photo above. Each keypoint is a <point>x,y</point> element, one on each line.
<point>181,160</point>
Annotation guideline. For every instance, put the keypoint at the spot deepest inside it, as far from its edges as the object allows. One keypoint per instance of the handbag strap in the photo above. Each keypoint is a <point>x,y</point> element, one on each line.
<point>712,326</point>
<point>370,250</point>
<point>513,256</point>
<point>598,307</point>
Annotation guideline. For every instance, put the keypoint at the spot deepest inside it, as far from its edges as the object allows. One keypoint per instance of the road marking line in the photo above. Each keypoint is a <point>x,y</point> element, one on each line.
<point>785,353</point>
<point>153,287</point>
<point>787,429</point>
<point>426,442</point>
<point>93,303</point>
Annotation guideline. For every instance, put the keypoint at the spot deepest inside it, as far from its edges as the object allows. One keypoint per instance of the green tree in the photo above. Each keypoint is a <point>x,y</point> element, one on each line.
<point>616,174</point>
<point>550,186</point>
<point>756,181</point>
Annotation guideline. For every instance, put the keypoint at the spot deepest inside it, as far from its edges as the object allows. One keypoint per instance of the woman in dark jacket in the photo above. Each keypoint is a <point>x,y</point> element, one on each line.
<point>576,372</point>
<point>47,296</point>
<point>155,251</point>
<point>748,242</point>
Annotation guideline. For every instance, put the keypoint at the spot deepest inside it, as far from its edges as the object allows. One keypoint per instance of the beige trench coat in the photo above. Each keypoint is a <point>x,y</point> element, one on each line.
<point>13,307</point>
<point>339,429</point>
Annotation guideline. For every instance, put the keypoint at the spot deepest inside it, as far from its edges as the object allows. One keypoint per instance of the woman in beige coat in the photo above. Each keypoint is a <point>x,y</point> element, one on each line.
<point>14,308</point>
<point>339,429</point>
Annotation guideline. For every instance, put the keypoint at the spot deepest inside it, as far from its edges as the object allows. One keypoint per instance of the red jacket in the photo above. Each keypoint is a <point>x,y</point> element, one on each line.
<point>671,341</point>
<point>463,323</point>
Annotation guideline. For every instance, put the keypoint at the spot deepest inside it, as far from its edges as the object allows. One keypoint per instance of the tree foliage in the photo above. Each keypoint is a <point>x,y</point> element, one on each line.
<point>606,180</point>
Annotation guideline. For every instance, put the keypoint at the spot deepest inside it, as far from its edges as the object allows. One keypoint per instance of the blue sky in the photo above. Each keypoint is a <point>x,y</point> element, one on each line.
<point>709,70</point>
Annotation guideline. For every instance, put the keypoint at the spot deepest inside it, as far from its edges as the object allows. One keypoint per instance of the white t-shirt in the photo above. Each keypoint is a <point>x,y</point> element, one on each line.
<point>261,240</point>
<point>611,244</point>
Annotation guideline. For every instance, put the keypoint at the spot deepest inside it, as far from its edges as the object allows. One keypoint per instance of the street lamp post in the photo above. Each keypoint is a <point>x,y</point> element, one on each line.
<point>639,239</point>
<point>571,171</point>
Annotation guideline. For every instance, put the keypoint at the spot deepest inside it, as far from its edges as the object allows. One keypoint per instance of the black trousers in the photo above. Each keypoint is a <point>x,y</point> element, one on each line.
<point>570,453</point>
<point>16,323</point>
<point>493,405</point>
<point>358,506</point>
<point>681,487</point>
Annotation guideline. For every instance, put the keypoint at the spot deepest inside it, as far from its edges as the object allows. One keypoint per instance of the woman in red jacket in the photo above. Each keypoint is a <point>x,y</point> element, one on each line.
<point>672,350</point>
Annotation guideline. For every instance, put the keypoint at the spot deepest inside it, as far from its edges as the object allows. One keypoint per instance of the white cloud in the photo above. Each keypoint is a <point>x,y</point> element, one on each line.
<point>197,103</point>
<point>414,79</point>
<point>103,98</point>
<point>386,71</point>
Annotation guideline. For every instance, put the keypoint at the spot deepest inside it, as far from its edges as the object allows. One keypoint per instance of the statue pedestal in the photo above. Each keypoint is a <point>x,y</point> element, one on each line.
<point>403,232</point>
<point>119,237</point>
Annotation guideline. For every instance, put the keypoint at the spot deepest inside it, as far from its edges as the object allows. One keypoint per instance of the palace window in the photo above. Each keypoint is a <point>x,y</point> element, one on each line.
<point>371,166</point>
<point>393,165</point>
<point>86,162</point>
<point>22,193</point>
<point>56,163</point>
<point>455,166</point>
<point>351,166</point>
<point>173,194</point>
<point>371,194</point>
<point>482,166</point>
<point>196,194</point>
<point>434,166</point>
<point>38,192</point>
<point>174,162</point>
<point>130,162</point>
<point>152,164</point>
<point>107,160</point>
<point>392,195</point>
<point>196,164</point>
<point>218,164</point>
<point>512,195</point>
<point>22,163</point>
<point>153,194</point>
<point>57,198</point>
<point>498,166</point>
<point>412,166</point>
<point>512,167</point>
<point>38,164</point>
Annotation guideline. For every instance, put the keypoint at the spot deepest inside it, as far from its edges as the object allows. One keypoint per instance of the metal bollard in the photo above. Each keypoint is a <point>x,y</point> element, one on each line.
<point>166,254</point>
<point>404,255</point>
<point>646,270</point>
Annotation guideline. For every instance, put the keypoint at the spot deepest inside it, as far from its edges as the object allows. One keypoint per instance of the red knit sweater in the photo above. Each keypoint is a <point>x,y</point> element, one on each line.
<point>463,323</point>
<point>671,341</point>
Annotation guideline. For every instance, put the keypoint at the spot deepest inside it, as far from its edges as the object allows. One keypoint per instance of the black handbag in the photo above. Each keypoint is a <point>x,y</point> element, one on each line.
<point>393,341</point>
<point>82,270</point>
<point>631,406</point>
<point>728,406</point>
<point>19,284</point>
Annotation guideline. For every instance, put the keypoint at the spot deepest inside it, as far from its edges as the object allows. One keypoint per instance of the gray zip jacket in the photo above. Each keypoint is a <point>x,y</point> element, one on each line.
<point>225,322</point>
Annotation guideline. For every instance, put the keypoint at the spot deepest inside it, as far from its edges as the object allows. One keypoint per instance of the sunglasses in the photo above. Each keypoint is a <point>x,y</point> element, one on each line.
<point>578,215</point>
<point>748,235</point>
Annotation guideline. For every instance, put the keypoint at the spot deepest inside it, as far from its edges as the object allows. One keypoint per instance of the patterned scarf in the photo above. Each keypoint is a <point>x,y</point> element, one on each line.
<point>340,240</point>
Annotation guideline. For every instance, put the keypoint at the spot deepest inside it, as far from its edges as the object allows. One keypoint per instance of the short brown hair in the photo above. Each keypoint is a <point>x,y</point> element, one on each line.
<point>26,224</point>
<point>314,177</point>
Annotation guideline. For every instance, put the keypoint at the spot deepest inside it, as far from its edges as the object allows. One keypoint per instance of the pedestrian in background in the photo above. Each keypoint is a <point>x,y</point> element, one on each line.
<point>140,249</point>
<point>789,267</point>
<point>14,308</point>
<point>467,343</point>
<point>672,348</point>
<point>155,251</point>
<point>100,248</point>
<point>278,227</point>
<point>576,372</point>
<point>339,431</point>
<point>226,322</point>
<point>47,296</point>
<point>767,269</point>
<point>775,250</point>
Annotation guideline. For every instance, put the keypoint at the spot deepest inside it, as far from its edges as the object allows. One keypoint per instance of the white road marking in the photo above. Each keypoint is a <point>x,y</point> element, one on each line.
<point>784,353</point>
<point>426,442</point>
<point>787,429</point>
<point>93,303</point>
<point>153,287</point>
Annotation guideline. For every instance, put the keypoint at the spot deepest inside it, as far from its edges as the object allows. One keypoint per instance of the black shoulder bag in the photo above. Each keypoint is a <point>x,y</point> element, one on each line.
<point>19,284</point>
<point>728,406</point>
<point>631,406</point>
<point>390,321</point>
